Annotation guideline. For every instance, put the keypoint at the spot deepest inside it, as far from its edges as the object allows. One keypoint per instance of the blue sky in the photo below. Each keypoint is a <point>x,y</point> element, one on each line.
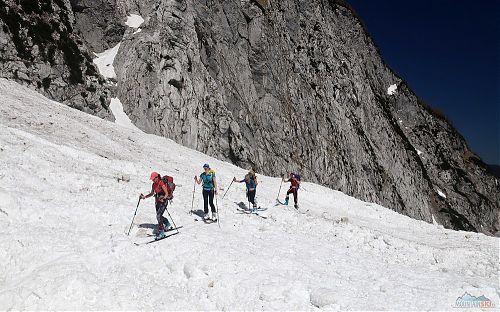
<point>448,52</point>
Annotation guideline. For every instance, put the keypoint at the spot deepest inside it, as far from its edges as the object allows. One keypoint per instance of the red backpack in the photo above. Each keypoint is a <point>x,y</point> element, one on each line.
<point>169,183</point>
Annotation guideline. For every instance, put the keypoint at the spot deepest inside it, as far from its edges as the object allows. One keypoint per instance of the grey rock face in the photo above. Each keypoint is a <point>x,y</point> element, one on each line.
<point>279,86</point>
<point>300,86</point>
<point>99,23</point>
<point>39,48</point>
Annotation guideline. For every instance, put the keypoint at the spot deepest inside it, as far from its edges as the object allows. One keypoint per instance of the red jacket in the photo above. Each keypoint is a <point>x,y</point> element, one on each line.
<point>295,183</point>
<point>158,189</point>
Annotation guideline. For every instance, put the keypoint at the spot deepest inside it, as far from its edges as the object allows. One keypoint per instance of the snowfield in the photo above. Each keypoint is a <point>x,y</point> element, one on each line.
<point>65,211</point>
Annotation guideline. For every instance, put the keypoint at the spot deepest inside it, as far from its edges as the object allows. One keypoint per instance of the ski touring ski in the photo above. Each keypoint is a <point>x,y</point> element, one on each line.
<point>278,202</point>
<point>248,212</point>
<point>159,239</point>
<point>167,231</point>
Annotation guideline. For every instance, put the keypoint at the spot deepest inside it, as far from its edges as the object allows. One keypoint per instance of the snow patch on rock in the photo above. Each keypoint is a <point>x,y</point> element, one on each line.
<point>440,193</point>
<point>120,117</point>
<point>134,21</point>
<point>392,89</point>
<point>104,61</point>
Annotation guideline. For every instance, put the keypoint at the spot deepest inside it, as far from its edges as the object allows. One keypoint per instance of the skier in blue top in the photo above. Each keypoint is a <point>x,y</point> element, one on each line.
<point>209,189</point>
<point>251,184</point>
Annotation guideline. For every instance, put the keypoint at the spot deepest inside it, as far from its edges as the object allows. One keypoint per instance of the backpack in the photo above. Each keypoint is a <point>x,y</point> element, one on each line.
<point>253,176</point>
<point>169,183</point>
<point>296,176</point>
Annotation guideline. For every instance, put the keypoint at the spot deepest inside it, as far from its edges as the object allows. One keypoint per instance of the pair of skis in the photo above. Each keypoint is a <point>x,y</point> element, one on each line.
<point>167,235</point>
<point>244,210</point>
<point>249,212</point>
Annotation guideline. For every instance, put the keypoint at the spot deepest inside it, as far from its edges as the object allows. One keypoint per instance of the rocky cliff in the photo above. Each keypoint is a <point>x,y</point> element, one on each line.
<point>294,85</point>
<point>39,47</point>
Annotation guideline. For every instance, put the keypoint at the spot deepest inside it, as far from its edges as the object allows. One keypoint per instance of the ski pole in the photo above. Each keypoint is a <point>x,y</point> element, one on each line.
<point>227,189</point>
<point>175,226</point>
<point>279,191</point>
<point>217,209</point>
<point>134,216</point>
<point>192,202</point>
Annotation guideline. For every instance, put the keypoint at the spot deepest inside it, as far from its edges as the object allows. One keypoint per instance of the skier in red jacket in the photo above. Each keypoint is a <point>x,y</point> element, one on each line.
<point>294,180</point>
<point>162,195</point>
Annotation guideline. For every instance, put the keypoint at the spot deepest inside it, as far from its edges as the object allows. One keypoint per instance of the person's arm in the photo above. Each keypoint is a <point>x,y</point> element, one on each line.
<point>146,196</point>
<point>196,180</point>
<point>215,185</point>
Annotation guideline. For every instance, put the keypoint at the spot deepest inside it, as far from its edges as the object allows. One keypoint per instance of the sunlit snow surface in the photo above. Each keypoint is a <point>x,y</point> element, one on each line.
<point>392,89</point>
<point>440,193</point>
<point>134,20</point>
<point>120,117</point>
<point>64,217</point>
<point>104,61</point>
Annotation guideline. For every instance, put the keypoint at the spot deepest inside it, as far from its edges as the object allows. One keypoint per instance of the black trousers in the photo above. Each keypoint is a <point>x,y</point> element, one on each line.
<point>208,196</point>
<point>160,210</point>
<point>251,196</point>
<point>295,195</point>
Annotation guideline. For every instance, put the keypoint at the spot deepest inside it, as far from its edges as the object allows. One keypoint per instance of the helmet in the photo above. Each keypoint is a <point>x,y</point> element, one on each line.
<point>154,174</point>
<point>206,166</point>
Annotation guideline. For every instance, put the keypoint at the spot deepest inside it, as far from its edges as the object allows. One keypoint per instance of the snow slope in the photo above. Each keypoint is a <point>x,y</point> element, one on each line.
<point>65,212</point>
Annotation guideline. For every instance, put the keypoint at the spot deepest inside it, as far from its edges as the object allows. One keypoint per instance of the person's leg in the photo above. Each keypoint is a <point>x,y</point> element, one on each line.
<point>287,195</point>
<point>251,198</point>
<point>295,198</point>
<point>205,201</point>
<point>211,196</point>
<point>160,209</point>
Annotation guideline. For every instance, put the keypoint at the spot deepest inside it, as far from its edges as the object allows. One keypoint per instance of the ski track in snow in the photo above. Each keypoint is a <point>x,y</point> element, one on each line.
<point>64,217</point>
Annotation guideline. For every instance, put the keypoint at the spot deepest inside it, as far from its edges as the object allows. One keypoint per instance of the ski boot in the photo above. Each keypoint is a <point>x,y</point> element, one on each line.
<point>296,206</point>
<point>254,208</point>
<point>168,226</point>
<point>160,235</point>
<point>286,201</point>
<point>214,216</point>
